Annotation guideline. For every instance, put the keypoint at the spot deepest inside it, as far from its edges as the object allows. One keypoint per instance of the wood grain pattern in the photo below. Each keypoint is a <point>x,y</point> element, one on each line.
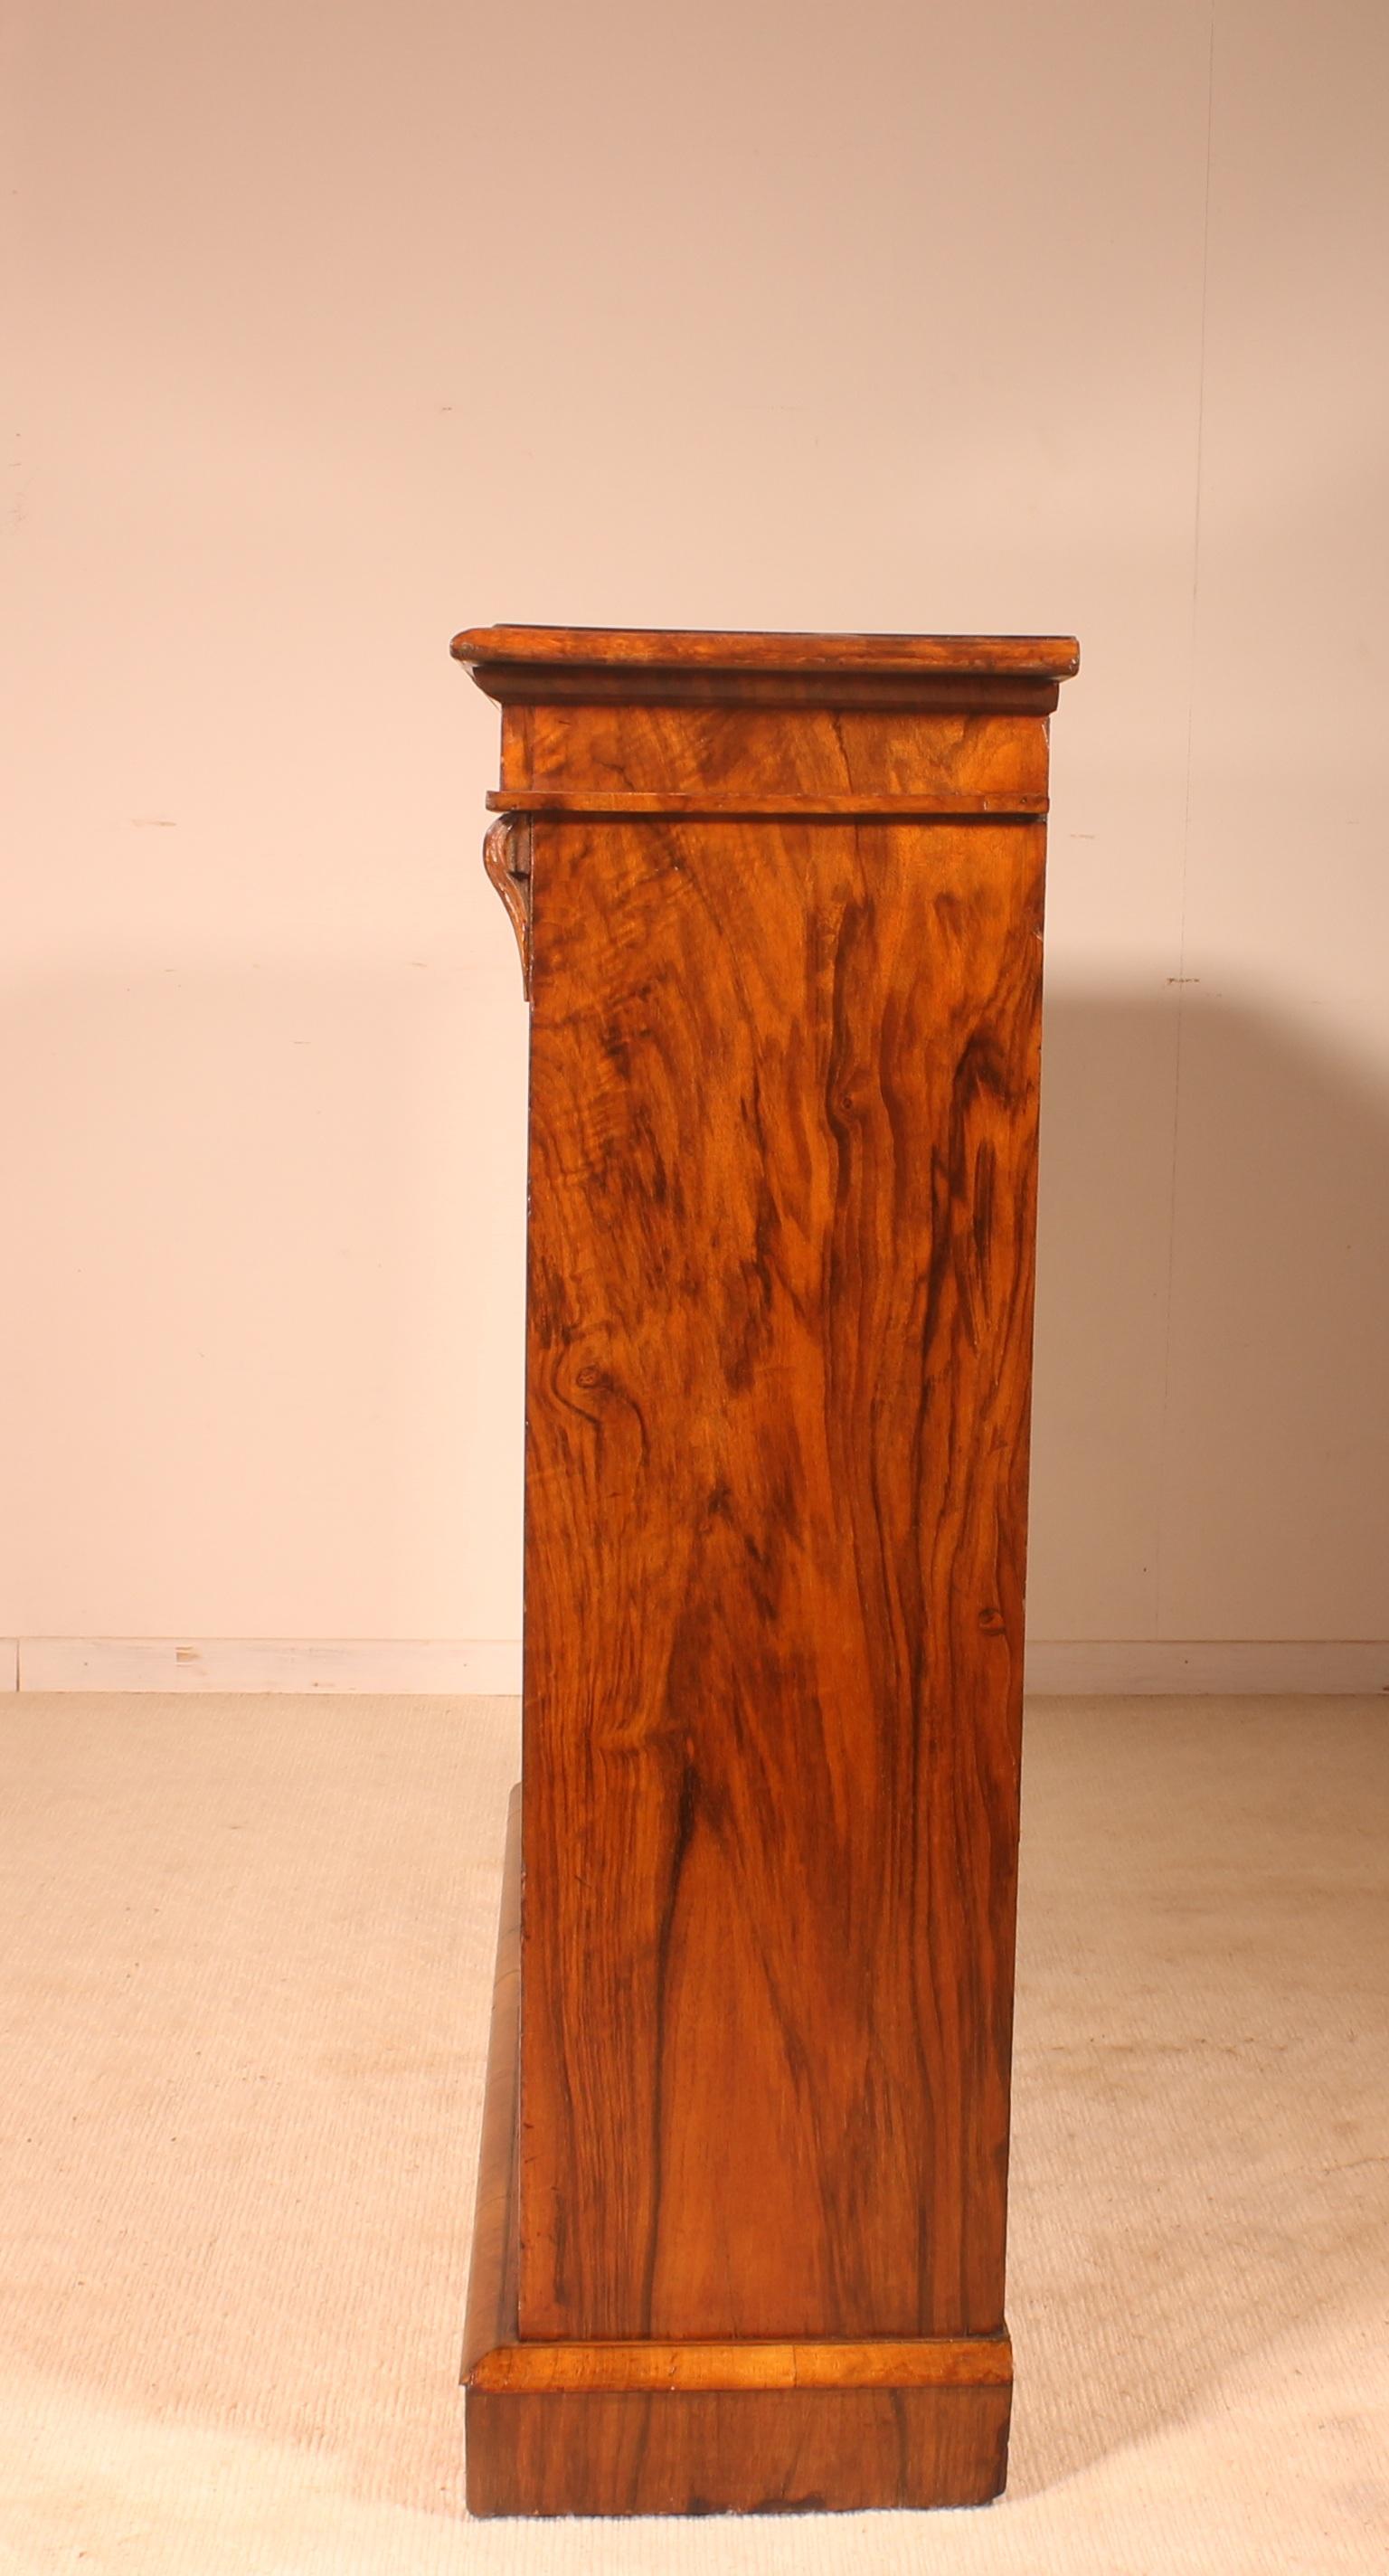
<point>1057,655</point>
<point>961,2361</point>
<point>747,2451</point>
<point>491,2319</point>
<point>734,746</point>
<point>785,991</point>
<point>609,2455</point>
<point>783,1133</point>
<point>733,802</point>
<point>553,686</point>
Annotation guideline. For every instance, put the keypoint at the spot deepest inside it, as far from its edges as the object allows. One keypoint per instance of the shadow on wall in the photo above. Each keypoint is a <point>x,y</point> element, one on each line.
<point>1211,1430</point>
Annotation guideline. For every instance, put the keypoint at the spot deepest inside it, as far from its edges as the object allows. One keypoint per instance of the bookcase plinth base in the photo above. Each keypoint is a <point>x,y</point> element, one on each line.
<point>743,2450</point>
<point>750,2426</point>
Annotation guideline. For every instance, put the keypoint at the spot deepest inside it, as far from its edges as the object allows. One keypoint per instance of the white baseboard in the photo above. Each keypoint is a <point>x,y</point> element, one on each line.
<point>1097,1668</point>
<point>491,1666</point>
<point>481,1667</point>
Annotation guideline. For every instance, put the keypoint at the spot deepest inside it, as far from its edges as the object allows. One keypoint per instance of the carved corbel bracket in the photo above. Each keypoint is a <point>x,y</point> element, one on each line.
<point>506,855</point>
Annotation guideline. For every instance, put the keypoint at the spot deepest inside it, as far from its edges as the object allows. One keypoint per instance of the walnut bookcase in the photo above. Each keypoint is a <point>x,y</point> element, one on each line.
<point>740,2233</point>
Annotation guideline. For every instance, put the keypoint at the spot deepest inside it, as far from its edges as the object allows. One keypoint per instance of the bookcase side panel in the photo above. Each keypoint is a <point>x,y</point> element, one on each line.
<point>783,1148</point>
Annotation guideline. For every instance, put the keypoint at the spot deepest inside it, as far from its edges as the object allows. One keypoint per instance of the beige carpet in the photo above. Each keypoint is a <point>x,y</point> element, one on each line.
<point>247,1955</point>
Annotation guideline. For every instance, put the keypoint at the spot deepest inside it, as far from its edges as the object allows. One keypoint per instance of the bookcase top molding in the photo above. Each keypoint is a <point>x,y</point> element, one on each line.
<point>1054,657</point>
